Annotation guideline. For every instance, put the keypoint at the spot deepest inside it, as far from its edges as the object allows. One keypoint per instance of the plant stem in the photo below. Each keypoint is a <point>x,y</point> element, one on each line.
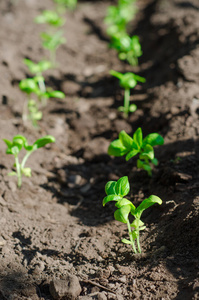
<point>18,167</point>
<point>25,158</point>
<point>53,58</point>
<point>138,240</point>
<point>126,101</point>
<point>130,235</point>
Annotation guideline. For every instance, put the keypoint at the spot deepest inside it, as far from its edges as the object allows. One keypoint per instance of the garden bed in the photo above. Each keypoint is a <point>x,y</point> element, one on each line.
<point>55,224</point>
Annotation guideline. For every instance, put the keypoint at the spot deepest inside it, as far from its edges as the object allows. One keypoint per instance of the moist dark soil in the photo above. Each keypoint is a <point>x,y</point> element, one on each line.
<point>55,224</point>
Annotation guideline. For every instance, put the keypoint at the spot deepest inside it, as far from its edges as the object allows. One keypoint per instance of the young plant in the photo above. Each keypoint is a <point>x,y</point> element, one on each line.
<point>50,17</point>
<point>52,43</point>
<point>37,70</point>
<point>16,145</point>
<point>129,48</point>
<point>34,113</point>
<point>127,81</point>
<point>62,5</point>
<point>119,16</point>
<point>116,191</point>
<point>130,147</point>
<point>31,86</point>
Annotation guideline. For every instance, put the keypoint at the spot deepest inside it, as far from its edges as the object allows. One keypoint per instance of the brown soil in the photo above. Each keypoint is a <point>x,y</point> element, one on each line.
<point>55,224</point>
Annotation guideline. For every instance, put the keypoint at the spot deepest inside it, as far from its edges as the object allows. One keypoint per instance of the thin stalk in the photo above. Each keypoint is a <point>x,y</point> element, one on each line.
<point>126,101</point>
<point>53,57</point>
<point>130,235</point>
<point>18,168</point>
<point>138,240</point>
<point>25,158</point>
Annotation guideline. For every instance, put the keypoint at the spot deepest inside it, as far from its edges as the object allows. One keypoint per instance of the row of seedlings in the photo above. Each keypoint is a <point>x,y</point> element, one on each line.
<point>129,49</point>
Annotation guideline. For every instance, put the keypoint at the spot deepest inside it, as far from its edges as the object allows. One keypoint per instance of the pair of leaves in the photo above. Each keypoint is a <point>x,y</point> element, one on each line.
<point>50,17</point>
<point>19,141</point>
<point>115,191</point>
<point>52,42</point>
<point>128,80</point>
<point>123,43</point>
<point>38,68</point>
<point>30,85</point>
<point>130,147</point>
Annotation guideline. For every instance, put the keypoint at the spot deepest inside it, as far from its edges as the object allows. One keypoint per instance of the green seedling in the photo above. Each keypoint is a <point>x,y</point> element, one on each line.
<point>129,48</point>
<point>37,70</point>
<point>127,81</point>
<point>31,86</point>
<point>116,191</point>
<point>34,113</point>
<point>119,16</point>
<point>51,18</point>
<point>52,43</point>
<point>14,147</point>
<point>130,147</point>
<point>62,5</point>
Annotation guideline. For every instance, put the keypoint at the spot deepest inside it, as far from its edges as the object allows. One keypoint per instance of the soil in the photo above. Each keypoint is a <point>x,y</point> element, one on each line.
<point>55,224</point>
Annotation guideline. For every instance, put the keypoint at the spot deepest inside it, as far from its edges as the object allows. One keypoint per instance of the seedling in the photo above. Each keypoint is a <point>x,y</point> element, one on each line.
<point>34,113</point>
<point>16,145</point>
<point>64,4</point>
<point>116,191</point>
<point>31,86</point>
<point>130,147</point>
<point>38,69</point>
<point>50,17</point>
<point>119,16</point>
<point>127,81</point>
<point>129,48</point>
<point>52,43</point>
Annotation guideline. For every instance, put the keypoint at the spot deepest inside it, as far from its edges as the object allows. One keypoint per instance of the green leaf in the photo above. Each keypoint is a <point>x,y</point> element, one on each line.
<point>147,152</point>
<point>155,161</point>
<point>137,137</point>
<point>128,81</point>
<point>44,141</point>
<point>122,213</point>
<point>131,154</point>
<point>110,188</point>
<point>153,139</point>
<point>116,74</point>
<point>132,108</point>
<point>125,241</point>
<point>8,143</point>
<point>137,223</point>
<point>122,186</point>
<point>126,140</point>
<point>26,172</point>
<point>111,198</point>
<point>28,86</point>
<point>12,174</point>
<point>123,202</point>
<point>116,148</point>
<point>55,94</point>
<point>147,203</point>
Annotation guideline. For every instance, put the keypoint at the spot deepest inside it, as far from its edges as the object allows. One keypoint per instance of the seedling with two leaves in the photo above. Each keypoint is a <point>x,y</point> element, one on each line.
<point>119,16</point>
<point>127,81</point>
<point>62,5</point>
<point>37,70</point>
<point>130,147</point>
<point>116,191</point>
<point>129,48</point>
<point>53,39</point>
<point>14,147</point>
<point>31,86</point>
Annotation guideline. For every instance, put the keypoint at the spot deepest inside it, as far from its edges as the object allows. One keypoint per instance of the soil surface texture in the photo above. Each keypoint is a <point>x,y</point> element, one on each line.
<point>57,241</point>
